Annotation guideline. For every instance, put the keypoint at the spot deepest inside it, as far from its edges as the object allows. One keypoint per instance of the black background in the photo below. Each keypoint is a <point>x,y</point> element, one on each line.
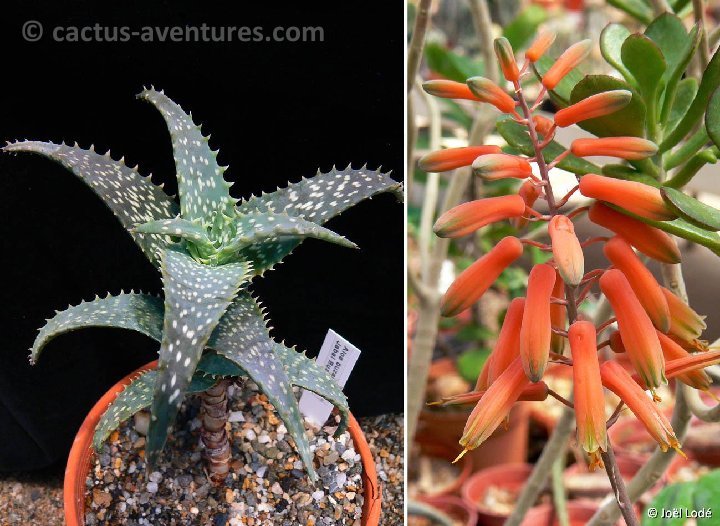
<point>277,111</point>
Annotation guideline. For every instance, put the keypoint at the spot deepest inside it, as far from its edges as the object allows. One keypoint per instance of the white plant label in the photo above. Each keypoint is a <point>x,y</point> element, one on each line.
<point>338,357</point>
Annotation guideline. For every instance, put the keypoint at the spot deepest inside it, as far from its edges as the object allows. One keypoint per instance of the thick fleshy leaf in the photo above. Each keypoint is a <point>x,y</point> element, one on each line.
<point>709,83</point>
<point>629,121</point>
<point>646,63</point>
<point>635,8</point>
<point>611,41</point>
<point>686,90</point>
<point>215,364</point>
<point>266,238</point>
<point>692,210</point>
<point>134,311</point>
<point>683,229</point>
<point>201,186</point>
<point>196,297</point>
<point>516,136</point>
<point>176,227</point>
<point>712,117</point>
<point>560,95</point>
<point>132,198</point>
<point>136,397</point>
<point>450,65</point>
<point>675,496</point>
<point>242,337</point>
<point>324,196</point>
<point>524,25</point>
<point>707,492</point>
<point>306,373</point>
<point>621,171</point>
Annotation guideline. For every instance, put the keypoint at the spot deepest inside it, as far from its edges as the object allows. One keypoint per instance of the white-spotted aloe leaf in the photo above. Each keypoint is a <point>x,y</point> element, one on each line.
<point>266,238</point>
<point>201,185</point>
<point>307,373</point>
<point>136,397</point>
<point>176,227</point>
<point>132,198</point>
<point>133,311</point>
<point>196,297</point>
<point>325,195</point>
<point>243,337</point>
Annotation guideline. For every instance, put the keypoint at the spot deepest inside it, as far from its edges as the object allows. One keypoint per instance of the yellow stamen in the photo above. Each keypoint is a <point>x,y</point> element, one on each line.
<point>461,455</point>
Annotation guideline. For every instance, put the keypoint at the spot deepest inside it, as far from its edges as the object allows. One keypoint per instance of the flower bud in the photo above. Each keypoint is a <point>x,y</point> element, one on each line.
<point>638,334</point>
<point>540,45</point>
<point>567,252</point>
<point>566,63</point>
<point>536,329</point>
<point>468,217</point>
<point>588,395</point>
<point>630,148</point>
<point>507,347</point>
<point>638,198</point>
<point>692,362</point>
<point>537,392</point>
<point>543,125</point>
<point>650,241</point>
<point>558,316</point>
<point>529,193</point>
<point>594,106</point>
<point>452,158</point>
<point>643,283</point>
<point>449,89</point>
<point>506,59</point>
<point>615,378</point>
<point>472,283</point>
<point>697,379</point>
<point>685,323</point>
<point>501,166</point>
<point>487,91</point>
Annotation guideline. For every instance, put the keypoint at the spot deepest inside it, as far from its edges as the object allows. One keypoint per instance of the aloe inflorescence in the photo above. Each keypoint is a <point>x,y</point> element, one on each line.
<point>208,247</point>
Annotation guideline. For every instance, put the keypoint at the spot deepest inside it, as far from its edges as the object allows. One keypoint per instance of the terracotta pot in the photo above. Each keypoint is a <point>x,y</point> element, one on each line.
<point>509,477</point>
<point>630,437</point>
<point>505,446</point>
<point>453,506</point>
<point>79,461</point>
<point>702,442</point>
<point>582,483</point>
<point>442,451</point>
<point>579,513</point>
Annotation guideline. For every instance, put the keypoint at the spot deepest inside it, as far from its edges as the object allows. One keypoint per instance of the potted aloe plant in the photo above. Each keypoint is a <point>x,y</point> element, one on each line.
<point>210,328</point>
<point>641,119</point>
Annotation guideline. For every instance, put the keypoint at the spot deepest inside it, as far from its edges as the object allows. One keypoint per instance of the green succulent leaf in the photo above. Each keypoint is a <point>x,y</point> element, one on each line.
<point>215,364</point>
<point>136,397</point>
<point>709,83</point>
<point>692,210</point>
<point>176,227</point>
<point>712,117</point>
<point>681,228</point>
<point>628,173</point>
<point>196,297</point>
<point>133,311</point>
<point>629,121</point>
<point>131,197</point>
<point>635,8</point>
<point>201,186</point>
<point>516,136</point>
<point>706,495</point>
<point>523,26</point>
<point>306,373</point>
<point>242,337</point>
<point>672,497</point>
<point>611,41</point>
<point>450,64</point>
<point>646,63</point>
<point>686,91</point>
<point>561,94</point>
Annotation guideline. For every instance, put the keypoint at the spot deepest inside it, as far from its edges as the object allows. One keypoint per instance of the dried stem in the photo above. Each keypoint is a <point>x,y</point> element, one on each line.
<point>417,41</point>
<point>616,481</point>
<point>214,416</point>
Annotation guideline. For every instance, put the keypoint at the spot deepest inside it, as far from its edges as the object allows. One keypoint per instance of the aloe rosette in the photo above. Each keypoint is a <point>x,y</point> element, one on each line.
<point>208,247</point>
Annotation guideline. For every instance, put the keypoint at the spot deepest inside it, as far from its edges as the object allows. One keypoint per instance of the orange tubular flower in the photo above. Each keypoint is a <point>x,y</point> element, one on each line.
<point>643,283</point>
<point>507,347</point>
<point>529,193</point>
<point>616,343</point>
<point>536,329</point>
<point>697,379</point>
<point>639,198</point>
<point>615,378</point>
<point>477,278</point>
<point>452,158</point>
<point>501,166</point>
<point>566,63</point>
<point>594,106</point>
<point>532,393</point>
<point>494,406</point>
<point>468,217</point>
<point>539,46</point>
<point>637,331</point>
<point>685,323</point>
<point>691,363</point>
<point>650,241</point>
<point>506,59</point>
<point>558,315</point>
<point>588,395</point>
<point>543,125</point>
<point>567,252</point>
<point>630,148</point>
<point>487,91</point>
<point>482,382</point>
<point>449,89</point>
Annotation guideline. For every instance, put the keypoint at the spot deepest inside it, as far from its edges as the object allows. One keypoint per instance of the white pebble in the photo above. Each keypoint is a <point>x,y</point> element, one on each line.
<point>250,434</point>
<point>261,471</point>
<point>236,416</point>
<point>341,479</point>
<point>317,495</point>
<point>348,455</point>
<point>155,476</point>
<point>264,439</point>
<point>152,487</point>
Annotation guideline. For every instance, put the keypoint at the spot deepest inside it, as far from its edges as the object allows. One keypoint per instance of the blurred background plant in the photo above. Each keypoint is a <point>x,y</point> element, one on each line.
<point>446,355</point>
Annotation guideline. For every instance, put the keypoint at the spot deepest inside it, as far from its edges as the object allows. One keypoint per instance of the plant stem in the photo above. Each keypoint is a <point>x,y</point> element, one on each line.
<point>559,496</point>
<point>616,481</point>
<point>703,48</point>
<point>417,41</point>
<point>214,416</point>
<point>483,28</point>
